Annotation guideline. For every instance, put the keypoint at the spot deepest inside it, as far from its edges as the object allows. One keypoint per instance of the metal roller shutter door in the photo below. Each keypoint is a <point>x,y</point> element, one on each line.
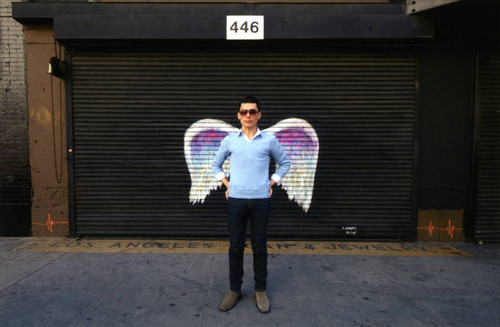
<point>131,109</point>
<point>487,225</point>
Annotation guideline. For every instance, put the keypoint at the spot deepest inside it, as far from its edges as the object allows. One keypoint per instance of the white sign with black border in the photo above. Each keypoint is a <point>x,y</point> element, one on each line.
<point>240,27</point>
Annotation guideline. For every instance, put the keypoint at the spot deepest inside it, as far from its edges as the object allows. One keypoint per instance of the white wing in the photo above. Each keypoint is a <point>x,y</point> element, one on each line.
<point>300,143</point>
<point>201,142</point>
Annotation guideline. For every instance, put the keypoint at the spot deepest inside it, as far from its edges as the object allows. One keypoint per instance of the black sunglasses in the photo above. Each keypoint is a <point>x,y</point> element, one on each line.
<point>252,112</point>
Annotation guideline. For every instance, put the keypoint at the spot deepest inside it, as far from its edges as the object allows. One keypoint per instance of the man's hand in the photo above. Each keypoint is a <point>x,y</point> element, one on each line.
<point>225,181</point>
<point>272,182</point>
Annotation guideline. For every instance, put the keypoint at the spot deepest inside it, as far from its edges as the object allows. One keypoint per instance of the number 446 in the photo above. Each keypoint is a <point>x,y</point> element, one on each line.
<point>254,27</point>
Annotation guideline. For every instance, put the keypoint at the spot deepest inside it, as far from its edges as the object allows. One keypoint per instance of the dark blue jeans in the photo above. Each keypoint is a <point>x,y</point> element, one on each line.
<point>239,212</point>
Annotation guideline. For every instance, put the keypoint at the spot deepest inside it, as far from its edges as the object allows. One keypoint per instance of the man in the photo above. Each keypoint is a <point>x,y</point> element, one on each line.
<point>248,197</point>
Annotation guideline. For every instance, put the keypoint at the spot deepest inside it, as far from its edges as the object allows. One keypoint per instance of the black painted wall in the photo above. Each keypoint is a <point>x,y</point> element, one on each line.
<point>446,104</point>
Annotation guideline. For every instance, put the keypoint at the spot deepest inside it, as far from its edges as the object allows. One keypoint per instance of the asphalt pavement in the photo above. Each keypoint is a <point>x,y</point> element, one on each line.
<point>173,289</point>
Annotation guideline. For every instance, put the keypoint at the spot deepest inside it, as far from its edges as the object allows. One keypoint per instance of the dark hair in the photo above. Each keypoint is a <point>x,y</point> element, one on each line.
<point>249,99</point>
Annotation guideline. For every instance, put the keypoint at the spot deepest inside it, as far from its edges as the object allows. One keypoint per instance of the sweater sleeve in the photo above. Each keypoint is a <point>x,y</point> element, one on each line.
<point>281,158</point>
<point>220,157</point>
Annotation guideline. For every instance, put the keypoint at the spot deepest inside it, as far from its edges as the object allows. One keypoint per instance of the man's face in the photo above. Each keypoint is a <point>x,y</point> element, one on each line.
<point>249,120</point>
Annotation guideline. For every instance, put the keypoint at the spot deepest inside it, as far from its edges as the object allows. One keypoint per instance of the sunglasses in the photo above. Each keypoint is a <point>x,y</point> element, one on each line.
<point>252,112</point>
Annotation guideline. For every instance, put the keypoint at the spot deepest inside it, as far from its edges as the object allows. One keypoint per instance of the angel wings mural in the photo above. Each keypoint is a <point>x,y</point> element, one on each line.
<point>297,137</point>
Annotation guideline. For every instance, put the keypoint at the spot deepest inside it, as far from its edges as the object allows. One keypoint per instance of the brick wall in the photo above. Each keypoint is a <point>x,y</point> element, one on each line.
<point>14,166</point>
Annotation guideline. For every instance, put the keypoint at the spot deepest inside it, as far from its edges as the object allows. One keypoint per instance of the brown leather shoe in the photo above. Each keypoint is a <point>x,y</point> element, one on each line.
<point>229,301</point>
<point>262,302</point>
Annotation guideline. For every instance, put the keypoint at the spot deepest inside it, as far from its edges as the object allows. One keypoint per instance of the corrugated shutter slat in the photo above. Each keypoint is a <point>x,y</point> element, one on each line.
<point>487,223</point>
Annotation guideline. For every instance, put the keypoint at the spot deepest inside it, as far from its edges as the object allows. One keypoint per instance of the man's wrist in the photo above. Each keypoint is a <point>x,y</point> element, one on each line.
<point>276,179</point>
<point>220,176</point>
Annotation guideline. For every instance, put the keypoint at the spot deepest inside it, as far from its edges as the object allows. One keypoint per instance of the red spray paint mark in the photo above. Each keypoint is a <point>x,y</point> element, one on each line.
<point>430,228</point>
<point>450,229</point>
<point>49,223</point>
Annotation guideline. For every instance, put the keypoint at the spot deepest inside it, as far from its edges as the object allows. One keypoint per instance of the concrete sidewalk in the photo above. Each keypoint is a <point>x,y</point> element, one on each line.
<point>151,289</point>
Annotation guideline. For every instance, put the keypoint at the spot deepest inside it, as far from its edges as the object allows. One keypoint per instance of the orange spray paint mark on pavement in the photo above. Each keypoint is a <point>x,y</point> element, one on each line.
<point>49,223</point>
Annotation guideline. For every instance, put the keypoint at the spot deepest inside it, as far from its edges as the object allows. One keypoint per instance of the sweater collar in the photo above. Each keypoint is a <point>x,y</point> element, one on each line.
<point>240,133</point>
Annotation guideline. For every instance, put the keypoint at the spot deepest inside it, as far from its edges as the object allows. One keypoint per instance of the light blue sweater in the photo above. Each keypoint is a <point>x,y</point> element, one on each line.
<point>249,165</point>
